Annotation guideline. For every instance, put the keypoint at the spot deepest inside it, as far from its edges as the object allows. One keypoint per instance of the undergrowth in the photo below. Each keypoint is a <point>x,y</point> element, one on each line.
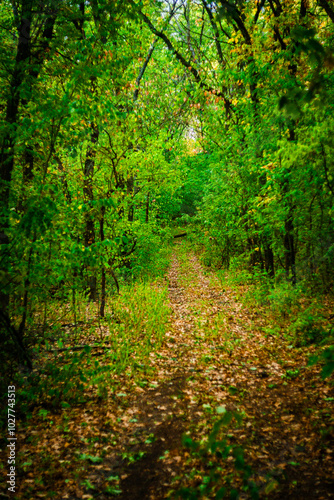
<point>209,477</point>
<point>293,312</point>
<point>73,365</point>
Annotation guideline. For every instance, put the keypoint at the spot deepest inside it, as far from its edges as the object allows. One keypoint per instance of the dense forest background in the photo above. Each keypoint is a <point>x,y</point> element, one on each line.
<point>124,124</point>
<point>120,118</point>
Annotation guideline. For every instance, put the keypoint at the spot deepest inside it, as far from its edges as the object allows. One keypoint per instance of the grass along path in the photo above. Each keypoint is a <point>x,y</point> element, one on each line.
<point>215,355</point>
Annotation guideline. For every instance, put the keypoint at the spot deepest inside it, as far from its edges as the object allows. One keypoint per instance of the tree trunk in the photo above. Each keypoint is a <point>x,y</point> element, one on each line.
<point>89,232</point>
<point>289,240</point>
<point>289,245</point>
<point>9,140</point>
<point>269,261</point>
<point>18,76</point>
<point>24,69</point>
<point>103,272</point>
<point>130,192</point>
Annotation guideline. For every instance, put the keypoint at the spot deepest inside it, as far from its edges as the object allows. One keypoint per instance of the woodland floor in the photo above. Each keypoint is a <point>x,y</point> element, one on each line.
<point>287,426</point>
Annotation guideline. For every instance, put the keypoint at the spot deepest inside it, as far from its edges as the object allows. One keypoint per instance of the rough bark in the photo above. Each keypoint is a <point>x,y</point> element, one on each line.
<point>89,232</point>
<point>103,272</point>
<point>328,8</point>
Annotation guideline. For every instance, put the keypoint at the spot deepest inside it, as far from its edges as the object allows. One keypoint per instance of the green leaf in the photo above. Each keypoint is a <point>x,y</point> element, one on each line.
<point>112,490</point>
<point>91,458</point>
<point>221,493</point>
<point>328,369</point>
<point>113,478</point>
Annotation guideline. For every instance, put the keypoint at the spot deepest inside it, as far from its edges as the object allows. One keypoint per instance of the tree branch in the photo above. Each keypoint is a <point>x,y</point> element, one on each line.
<point>215,30</point>
<point>260,4</point>
<point>143,68</point>
<point>327,8</point>
<point>237,17</point>
<point>184,62</point>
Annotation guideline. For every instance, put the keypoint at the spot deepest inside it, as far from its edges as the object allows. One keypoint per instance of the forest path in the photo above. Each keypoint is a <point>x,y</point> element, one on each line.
<point>127,444</point>
<point>215,354</point>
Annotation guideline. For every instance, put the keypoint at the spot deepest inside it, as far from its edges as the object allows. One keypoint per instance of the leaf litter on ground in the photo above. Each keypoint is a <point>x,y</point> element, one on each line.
<point>214,356</point>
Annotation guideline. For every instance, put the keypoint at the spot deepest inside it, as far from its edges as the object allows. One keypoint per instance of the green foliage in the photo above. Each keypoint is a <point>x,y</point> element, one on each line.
<point>91,458</point>
<point>291,374</point>
<point>142,313</point>
<point>108,140</point>
<point>133,457</point>
<point>215,450</point>
<point>151,258</point>
<point>307,328</point>
<point>56,383</point>
<point>136,327</point>
<point>284,299</point>
<point>326,358</point>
